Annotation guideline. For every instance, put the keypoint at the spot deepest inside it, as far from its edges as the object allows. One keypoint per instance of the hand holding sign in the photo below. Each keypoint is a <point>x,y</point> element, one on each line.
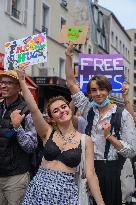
<point>70,49</point>
<point>21,71</point>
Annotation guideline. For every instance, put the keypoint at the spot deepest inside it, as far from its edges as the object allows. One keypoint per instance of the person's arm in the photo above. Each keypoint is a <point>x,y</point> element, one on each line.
<point>78,97</point>
<point>27,137</point>
<point>125,95</point>
<point>71,80</point>
<point>41,125</point>
<point>128,135</point>
<point>110,137</point>
<point>90,172</point>
<point>127,145</point>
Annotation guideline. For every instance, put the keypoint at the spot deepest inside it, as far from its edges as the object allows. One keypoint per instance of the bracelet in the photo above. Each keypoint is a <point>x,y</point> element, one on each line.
<point>109,135</point>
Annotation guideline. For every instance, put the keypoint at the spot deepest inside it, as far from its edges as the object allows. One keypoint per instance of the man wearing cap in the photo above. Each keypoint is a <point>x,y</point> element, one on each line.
<point>18,139</point>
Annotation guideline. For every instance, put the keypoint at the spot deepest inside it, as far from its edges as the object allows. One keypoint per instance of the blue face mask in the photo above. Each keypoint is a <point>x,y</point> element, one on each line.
<point>106,101</point>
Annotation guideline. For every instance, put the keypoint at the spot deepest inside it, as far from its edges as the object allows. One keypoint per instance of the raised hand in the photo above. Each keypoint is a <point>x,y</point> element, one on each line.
<point>70,49</point>
<point>21,71</point>
<point>125,88</point>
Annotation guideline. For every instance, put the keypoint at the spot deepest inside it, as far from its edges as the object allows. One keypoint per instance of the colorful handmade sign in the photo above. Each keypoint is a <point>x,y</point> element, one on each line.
<point>110,65</point>
<point>32,49</point>
<point>76,34</point>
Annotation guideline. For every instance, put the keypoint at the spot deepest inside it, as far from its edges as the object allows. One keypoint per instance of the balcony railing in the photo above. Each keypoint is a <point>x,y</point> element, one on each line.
<point>15,13</point>
<point>45,29</point>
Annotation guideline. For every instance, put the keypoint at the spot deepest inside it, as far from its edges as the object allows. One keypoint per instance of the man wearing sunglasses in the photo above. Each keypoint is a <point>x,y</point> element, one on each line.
<point>18,139</point>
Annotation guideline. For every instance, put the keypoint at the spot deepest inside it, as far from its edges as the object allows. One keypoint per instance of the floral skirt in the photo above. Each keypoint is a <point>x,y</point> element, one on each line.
<point>50,187</point>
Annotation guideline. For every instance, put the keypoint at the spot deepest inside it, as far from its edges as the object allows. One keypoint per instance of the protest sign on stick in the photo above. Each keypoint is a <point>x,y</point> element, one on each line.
<point>110,65</point>
<point>32,49</point>
<point>75,34</point>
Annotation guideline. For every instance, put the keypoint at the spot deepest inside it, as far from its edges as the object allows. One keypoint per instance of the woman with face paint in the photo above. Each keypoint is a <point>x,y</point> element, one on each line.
<point>111,128</point>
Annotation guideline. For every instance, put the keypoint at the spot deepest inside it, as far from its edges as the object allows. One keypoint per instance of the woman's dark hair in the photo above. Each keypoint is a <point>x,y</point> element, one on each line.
<point>52,100</point>
<point>102,82</point>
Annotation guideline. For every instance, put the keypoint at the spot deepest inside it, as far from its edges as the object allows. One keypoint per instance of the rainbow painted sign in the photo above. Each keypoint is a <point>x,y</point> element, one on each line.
<point>32,49</point>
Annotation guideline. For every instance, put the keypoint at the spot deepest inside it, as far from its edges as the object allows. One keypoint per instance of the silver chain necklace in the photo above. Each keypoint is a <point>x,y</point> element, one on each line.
<point>69,139</point>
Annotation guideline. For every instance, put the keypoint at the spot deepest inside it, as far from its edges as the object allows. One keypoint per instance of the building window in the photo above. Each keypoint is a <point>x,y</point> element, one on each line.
<point>112,37</point>
<point>98,37</point>
<point>134,78</point>
<point>61,67</point>
<point>17,9</point>
<point>89,51</point>
<point>135,38</point>
<point>123,49</point>
<point>116,42</point>
<point>128,56</point>
<point>101,20</point>
<point>120,46</point>
<point>135,51</point>
<point>134,64</point>
<point>63,22</point>
<point>103,42</point>
<point>45,18</point>
<point>134,91</point>
<point>126,52</point>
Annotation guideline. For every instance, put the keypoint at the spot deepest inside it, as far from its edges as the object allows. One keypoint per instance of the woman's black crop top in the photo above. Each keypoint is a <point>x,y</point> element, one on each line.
<point>70,158</point>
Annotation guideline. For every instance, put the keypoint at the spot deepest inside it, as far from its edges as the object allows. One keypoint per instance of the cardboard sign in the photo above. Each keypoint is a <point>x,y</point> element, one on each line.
<point>110,65</point>
<point>76,34</point>
<point>32,49</point>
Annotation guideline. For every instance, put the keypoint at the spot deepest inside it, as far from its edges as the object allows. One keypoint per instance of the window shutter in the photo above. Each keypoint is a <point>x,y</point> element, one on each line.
<point>8,5</point>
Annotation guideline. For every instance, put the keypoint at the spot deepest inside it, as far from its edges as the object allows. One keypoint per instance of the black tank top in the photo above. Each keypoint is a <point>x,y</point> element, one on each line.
<point>70,158</point>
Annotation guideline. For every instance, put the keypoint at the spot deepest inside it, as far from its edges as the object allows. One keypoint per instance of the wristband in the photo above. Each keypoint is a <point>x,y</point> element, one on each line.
<point>109,135</point>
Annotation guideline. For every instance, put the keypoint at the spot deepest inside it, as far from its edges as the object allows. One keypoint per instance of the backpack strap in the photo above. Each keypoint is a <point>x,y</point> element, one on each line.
<point>116,124</point>
<point>90,118</point>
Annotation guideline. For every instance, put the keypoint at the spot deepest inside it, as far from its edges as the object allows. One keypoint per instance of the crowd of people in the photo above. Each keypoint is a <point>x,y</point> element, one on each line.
<point>110,138</point>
